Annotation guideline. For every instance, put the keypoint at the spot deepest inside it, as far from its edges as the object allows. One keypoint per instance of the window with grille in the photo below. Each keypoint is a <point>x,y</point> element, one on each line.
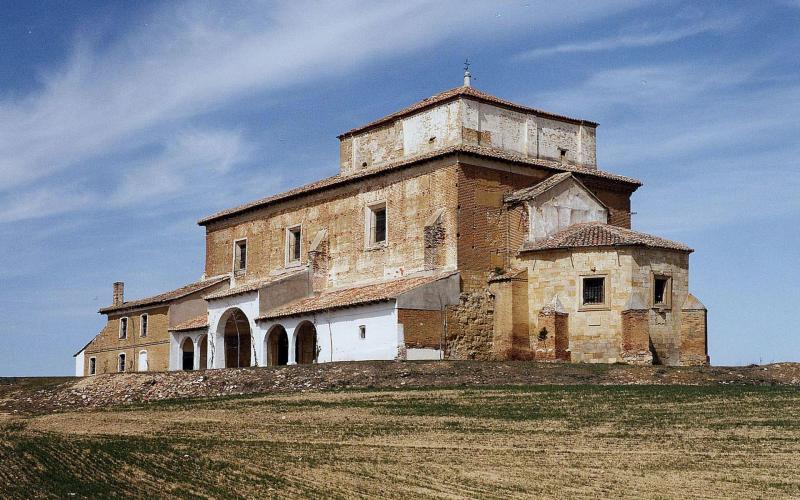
<point>594,291</point>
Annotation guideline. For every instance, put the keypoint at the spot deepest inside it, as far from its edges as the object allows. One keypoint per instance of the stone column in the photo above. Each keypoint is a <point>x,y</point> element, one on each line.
<point>196,344</point>
<point>292,343</point>
<point>635,347</point>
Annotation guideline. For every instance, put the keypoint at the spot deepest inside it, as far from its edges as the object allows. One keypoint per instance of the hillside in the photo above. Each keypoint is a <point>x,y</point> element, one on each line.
<point>431,430</point>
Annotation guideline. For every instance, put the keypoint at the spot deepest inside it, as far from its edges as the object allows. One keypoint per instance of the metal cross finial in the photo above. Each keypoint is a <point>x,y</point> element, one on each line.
<point>466,64</point>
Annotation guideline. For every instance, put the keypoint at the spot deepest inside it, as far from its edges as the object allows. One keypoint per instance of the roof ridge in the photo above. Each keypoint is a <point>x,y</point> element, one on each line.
<point>454,93</point>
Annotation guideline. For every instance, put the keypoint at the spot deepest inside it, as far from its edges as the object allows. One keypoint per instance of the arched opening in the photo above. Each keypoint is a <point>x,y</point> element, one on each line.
<point>277,346</point>
<point>305,348</point>
<point>143,361</point>
<point>203,352</point>
<point>187,348</point>
<point>237,340</point>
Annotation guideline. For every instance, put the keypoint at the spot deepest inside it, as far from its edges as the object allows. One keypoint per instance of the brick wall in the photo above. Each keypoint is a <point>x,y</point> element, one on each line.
<point>107,345</point>
<point>422,329</point>
<point>694,350</point>
<point>411,195</point>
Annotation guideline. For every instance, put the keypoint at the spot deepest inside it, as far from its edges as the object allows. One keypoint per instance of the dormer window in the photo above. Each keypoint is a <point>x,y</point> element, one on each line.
<point>240,256</point>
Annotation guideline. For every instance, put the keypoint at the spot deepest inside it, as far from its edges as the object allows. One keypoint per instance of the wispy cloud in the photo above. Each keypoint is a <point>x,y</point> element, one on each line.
<point>192,58</point>
<point>645,38</point>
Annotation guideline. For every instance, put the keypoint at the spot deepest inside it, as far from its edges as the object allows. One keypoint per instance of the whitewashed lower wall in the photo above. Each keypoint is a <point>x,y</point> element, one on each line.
<point>218,313</point>
<point>338,335</point>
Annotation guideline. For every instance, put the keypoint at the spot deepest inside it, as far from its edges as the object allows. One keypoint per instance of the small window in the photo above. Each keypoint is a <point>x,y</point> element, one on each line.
<point>143,325</point>
<point>293,242</point>
<point>362,331</point>
<point>377,224</point>
<point>662,291</point>
<point>594,291</point>
<point>562,154</point>
<point>240,256</point>
<point>92,366</point>
<point>123,328</point>
<point>121,363</point>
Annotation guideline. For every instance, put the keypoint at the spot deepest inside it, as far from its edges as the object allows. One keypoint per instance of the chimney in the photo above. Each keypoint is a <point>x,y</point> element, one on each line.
<point>119,292</point>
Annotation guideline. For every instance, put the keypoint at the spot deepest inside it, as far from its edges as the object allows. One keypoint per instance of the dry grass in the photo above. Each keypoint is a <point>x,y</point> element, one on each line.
<point>553,441</point>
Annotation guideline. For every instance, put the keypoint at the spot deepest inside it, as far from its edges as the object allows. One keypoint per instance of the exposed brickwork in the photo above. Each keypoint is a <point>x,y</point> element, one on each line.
<point>551,337</point>
<point>694,349</point>
<point>636,337</point>
<point>422,329</point>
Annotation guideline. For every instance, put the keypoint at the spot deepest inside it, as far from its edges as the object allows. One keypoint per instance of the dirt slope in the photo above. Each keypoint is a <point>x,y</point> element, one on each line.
<point>27,396</point>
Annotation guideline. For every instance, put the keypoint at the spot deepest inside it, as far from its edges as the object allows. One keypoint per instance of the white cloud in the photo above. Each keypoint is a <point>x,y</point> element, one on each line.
<point>645,38</point>
<point>197,57</point>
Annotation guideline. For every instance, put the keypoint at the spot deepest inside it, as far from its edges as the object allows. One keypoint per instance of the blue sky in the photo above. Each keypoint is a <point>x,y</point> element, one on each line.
<point>122,124</point>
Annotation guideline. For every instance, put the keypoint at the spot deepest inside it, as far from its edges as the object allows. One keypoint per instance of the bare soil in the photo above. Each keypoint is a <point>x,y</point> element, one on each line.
<point>430,430</point>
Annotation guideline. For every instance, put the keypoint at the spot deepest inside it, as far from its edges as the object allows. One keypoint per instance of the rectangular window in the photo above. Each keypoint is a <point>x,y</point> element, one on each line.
<point>92,366</point>
<point>594,291</point>
<point>662,291</point>
<point>377,224</point>
<point>123,328</point>
<point>240,256</point>
<point>121,363</point>
<point>362,331</point>
<point>293,243</point>
<point>143,325</point>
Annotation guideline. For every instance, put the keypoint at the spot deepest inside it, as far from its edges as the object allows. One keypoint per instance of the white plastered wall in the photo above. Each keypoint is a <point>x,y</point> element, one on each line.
<point>338,334</point>
<point>218,312</point>
<point>79,358</point>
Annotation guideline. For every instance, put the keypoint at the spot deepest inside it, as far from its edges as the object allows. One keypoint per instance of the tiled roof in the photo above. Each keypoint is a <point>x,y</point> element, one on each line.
<point>455,93</point>
<point>534,191</point>
<point>480,151</point>
<point>248,287</point>
<point>191,324</point>
<point>598,234</point>
<point>166,296</point>
<point>352,296</point>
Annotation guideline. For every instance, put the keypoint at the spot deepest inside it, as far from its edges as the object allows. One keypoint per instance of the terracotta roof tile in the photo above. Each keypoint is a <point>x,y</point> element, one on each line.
<point>352,296</point>
<point>598,234</point>
<point>534,191</point>
<point>166,296</point>
<point>191,324</point>
<point>480,151</point>
<point>455,93</point>
<point>251,286</point>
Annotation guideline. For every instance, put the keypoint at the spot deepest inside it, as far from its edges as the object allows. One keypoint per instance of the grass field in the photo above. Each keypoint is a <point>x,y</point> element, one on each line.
<point>522,441</point>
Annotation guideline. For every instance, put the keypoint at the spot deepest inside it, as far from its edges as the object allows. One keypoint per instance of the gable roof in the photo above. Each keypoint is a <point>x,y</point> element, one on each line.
<point>478,151</point>
<point>599,234</point>
<point>455,93</point>
<point>352,296</point>
<point>165,297</point>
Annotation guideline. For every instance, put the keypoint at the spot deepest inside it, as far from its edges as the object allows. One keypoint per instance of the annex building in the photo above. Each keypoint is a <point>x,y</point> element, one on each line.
<point>462,227</point>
